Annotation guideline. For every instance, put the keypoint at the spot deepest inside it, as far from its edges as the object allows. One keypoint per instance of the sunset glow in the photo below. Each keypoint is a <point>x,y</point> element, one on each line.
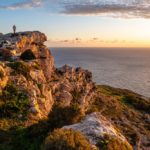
<point>83,26</point>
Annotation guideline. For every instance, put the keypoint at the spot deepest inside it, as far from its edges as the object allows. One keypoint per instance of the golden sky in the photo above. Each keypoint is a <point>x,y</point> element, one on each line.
<point>80,23</point>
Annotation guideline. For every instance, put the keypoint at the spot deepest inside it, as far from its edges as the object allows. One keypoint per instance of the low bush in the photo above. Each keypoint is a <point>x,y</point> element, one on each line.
<point>112,143</point>
<point>127,97</point>
<point>18,137</point>
<point>66,139</point>
<point>13,102</point>
<point>136,102</point>
<point>61,115</point>
<point>20,68</point>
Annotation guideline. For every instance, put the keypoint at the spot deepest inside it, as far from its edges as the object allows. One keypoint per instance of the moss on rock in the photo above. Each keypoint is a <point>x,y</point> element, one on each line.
<point>20,68</point>
<point>13,102</point>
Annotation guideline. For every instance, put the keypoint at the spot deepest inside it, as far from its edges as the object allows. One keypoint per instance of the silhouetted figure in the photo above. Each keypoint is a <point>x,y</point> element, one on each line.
<point>14,29</point>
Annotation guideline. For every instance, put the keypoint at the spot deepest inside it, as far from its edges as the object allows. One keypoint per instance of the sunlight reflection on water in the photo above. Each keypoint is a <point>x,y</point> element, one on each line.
<point>123,68</point>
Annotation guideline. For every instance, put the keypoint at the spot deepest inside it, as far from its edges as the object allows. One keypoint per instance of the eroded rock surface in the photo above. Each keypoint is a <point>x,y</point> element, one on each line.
<point>31,85</point>
<point>96,127</point>
<point>31,74</point>
<point>73,84</point>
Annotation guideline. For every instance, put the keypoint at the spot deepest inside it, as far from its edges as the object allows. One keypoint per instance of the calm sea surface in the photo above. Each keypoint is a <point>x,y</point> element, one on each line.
<point>124,68</point>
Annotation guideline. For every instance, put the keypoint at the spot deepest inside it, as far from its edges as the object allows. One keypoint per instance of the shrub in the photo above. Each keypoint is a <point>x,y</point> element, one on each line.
<point>127,97</point>
<point>112,143</point>
<point>20,68</point>
<point>136,102</point>
<point>66,139</point>
<point>13,102</point>
<point>27,55</point>
<point>61,116</point>
<point>14,135</point>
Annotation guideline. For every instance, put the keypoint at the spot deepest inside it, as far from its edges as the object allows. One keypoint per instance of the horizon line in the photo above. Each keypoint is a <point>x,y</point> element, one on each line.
<point>98,47</point>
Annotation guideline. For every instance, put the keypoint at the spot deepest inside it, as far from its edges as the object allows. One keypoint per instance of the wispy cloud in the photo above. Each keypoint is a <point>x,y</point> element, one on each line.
<point>23,5</point>
<point>91,42</point>
<point>115,8</point>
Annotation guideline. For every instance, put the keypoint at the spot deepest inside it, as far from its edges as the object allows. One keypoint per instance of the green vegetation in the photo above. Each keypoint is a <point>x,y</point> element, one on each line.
<point>19,137</point>
<point>13,102</point>
<point>15,136</point>
<point>36,66</point>
<point>13,133</point>
<point>66,139</point>
<point>20,68</point>
<point>127,97</point>
<point>61,115</point>
<point>121,106</point>
<point>27,55</point>
<point>110,143</point>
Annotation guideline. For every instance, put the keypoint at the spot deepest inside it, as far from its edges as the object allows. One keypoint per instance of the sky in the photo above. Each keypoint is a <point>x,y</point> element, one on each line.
<point>81,23</point>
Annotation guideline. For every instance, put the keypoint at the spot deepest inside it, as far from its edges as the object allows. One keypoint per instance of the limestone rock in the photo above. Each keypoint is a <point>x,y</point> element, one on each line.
<point>95,127</point>
<point>12,46</point>
<point>22,40</point>
<point>30,75</point>
<point>73,84</point>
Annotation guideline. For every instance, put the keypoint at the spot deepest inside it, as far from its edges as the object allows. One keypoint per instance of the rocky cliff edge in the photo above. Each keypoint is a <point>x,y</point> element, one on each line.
<point>34,94</point>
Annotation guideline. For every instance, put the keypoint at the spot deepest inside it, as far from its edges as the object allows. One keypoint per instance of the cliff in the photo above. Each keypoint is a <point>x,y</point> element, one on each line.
<point>36,98</point>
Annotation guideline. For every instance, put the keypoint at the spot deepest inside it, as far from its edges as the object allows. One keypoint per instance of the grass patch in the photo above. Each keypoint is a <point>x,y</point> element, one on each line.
<point>66,139</point>
<point>13,102</point>
<point>127,97</point>
<point>18,137</point>
<point>61,115</point>
<point>111,143</point>
<point>20,68</point>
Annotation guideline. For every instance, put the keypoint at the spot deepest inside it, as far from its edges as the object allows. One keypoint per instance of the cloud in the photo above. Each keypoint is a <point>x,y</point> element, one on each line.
<point>114,8</point>
<point>64,41</point>
<point>95,39</point>
<point>23,5</point>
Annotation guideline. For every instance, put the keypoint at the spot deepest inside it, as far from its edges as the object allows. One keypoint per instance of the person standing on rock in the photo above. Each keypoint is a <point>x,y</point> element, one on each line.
<point>14,29</point>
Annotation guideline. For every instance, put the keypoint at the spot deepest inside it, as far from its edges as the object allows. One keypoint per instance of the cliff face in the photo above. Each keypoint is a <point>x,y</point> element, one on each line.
<point>27,66</point>
<point>13,46</point>
<point>73,84</point>
<point>34,94</point>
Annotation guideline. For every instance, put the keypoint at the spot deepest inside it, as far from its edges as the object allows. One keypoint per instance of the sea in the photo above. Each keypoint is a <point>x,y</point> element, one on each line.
<point>127,68</point>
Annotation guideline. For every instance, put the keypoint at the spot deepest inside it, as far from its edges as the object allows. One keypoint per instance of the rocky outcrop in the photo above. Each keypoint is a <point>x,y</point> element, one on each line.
<point>29,65</point>
<point>96,127</point>
<point>31,75</point>
<point>22,40</point>
<point>73,85</point>
<point>12,46</point>
<point>32,90</point>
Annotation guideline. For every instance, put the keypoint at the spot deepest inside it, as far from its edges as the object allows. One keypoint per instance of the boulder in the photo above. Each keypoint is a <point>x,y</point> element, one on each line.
<point>96,128</point>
